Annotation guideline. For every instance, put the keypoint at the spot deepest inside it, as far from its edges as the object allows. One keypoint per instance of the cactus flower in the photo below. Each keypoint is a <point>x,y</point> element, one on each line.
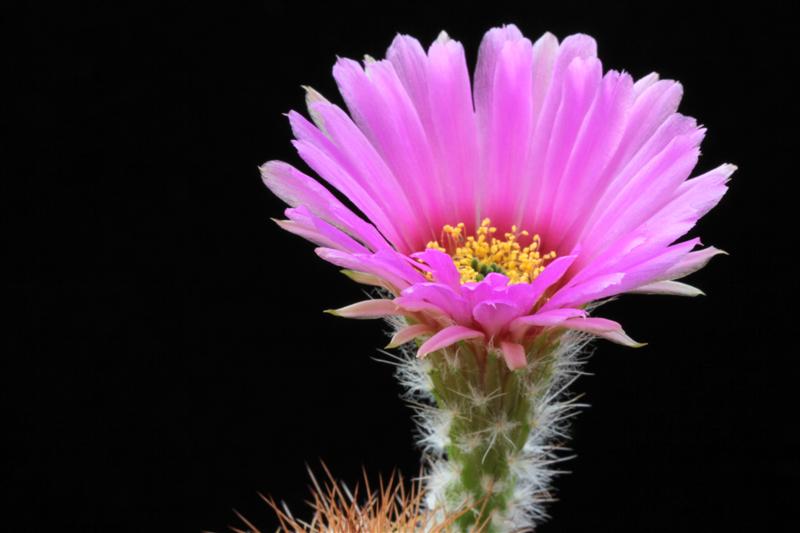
<point>494,214</point>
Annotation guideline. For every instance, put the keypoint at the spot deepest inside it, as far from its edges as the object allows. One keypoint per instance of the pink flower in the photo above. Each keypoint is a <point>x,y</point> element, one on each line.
<point>448,175</point>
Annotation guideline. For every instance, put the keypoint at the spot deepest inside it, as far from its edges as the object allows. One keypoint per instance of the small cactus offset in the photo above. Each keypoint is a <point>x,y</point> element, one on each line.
<point>393,506</point>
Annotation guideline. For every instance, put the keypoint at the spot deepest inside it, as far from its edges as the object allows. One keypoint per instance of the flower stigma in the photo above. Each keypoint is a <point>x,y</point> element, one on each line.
<point>477,256</point>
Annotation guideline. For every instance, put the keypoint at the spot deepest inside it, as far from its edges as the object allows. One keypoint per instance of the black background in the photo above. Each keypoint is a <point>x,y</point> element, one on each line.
<point>167,358</point>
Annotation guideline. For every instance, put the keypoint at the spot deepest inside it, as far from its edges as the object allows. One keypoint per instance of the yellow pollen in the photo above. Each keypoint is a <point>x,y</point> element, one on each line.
<point>479,255</point>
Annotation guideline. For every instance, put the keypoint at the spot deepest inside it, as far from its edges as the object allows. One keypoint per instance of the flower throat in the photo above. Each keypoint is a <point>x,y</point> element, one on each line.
<point>479,255</point>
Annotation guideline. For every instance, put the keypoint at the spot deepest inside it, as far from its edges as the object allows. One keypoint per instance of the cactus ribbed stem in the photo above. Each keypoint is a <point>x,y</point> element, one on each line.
<point>492,434</point>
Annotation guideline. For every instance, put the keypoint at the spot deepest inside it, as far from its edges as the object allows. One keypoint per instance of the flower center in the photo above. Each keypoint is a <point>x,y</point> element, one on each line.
<point>476,256</point>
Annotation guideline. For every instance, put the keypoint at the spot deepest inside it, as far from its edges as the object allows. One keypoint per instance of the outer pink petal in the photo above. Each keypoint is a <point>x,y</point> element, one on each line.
<point>494,316</point>
<point>692,200</point>
<point>409,333</point>
<point>636,268</point>
<point>692,262</point>
<point>601,327</point>
<point>302,220</point>
<point>674,288</point>
<point>366,279</point>
<point>318,238</point>
<point>514,354</point>
<point>650,265</point>
<point>390,270</point>
<point>637,257</point>
<point>544,319</point>
<point>446,337</point>
<point>430,310</point>
<point>368,309</point>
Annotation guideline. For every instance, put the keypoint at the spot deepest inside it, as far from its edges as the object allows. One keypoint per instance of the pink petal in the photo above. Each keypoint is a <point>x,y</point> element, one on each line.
<point>346,144</point>
<point>646,184</point>
<point>583,181</point>
<point>334,173</point>
<point>582,80</point>
<point>296,188</point>
<point>644,83</point>
<point>654,103</point>
<point>514,354</point>
<point>410,63</point>
<point>506,127</point>
<point>453,129</point>
<point>532,193</point>
<point>313,98</point>
<point>442,296</point>
<point>382,108</point>
<point>549,276</point>
<point>585,292</point>
<point>488,56</point>
<point>693,199</point>
<point>545,52</point>
<point>494,286</point>
<point>446,337</point>
<point>442,267</point>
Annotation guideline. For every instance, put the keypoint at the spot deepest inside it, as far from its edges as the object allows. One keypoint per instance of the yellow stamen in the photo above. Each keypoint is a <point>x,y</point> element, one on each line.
<point>477,256</point>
